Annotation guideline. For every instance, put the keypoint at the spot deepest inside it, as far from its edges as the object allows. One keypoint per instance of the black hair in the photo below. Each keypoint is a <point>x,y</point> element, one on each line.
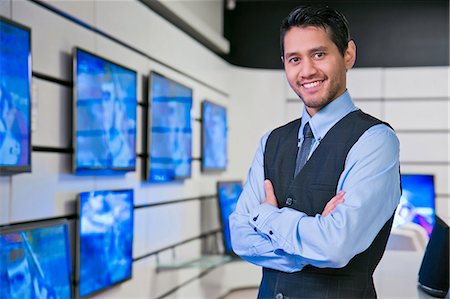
<point>329,19</point>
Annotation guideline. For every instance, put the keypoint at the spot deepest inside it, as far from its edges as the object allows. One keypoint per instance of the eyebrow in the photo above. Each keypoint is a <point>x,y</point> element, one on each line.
<point>313,50</point>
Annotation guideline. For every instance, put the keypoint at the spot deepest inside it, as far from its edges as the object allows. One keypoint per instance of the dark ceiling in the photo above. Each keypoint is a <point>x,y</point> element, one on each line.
<point>387,33</point>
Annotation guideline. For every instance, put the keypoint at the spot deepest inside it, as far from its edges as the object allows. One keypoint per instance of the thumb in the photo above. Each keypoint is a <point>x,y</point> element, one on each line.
<point>268,188</point>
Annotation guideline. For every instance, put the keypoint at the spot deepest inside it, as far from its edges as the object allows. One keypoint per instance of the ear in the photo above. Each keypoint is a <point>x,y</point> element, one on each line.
<point>350,55</point>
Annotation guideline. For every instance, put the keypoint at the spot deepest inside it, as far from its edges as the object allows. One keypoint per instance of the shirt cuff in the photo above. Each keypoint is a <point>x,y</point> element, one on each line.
<point>259,217</point>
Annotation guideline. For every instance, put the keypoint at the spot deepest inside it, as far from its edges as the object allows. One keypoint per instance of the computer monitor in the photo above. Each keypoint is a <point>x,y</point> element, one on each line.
<point>15,97</point>
<point>228,193</point>
<point>105,115</point>
<point>105,240</point>
<point>214,136</point>
<point>169,130</point>
<point>417,204</point>
<point>35,261</point>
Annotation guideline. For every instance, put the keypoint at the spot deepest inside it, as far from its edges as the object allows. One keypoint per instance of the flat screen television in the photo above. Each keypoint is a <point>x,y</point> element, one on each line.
<point>105,103</point>
<point>15,95</point>
<point>417,204</point>
<point>228,193</point>
<point>35,261</point>
<point>104,240</point>
<point>214,136</point>
<point>170,138</point>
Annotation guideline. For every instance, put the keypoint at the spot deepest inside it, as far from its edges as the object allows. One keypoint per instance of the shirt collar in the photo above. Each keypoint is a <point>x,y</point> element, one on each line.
<point>328,116</point>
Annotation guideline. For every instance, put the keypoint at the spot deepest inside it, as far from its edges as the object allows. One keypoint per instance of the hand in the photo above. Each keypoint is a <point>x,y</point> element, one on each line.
<point>270,194</point>
<point>332,204</point>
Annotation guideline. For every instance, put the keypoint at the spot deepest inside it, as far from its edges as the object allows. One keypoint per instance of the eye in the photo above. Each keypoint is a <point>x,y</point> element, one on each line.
<point>294,60</point>
<point>319,55</point>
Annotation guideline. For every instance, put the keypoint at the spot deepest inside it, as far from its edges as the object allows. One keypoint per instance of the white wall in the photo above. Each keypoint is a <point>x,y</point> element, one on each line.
<point>50,190</point>
<point>257,101</point>
<point>209,12</point>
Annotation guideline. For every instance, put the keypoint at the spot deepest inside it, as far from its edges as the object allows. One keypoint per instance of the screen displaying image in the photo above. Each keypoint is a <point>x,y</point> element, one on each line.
<point>15,77</point>
<point>35,262</point>
<point>105,118</point>
<point>105,239</point>
<point>214,136</point>
<point>170,129</point>
<point>228,194</point>
<point>417,202</point>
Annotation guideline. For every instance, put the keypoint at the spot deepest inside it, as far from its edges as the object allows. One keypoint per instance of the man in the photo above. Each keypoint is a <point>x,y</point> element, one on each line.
<point>292,219</point>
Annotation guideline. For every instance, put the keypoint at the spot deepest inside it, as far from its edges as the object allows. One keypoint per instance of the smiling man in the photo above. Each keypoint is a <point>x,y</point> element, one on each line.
<point>319,200</point>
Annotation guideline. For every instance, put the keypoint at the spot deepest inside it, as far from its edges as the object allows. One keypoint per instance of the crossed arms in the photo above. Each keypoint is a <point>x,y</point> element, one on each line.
<point>287,240</point>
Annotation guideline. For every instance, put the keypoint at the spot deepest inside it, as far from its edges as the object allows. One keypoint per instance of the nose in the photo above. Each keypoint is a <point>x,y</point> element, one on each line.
<point>307,68</point>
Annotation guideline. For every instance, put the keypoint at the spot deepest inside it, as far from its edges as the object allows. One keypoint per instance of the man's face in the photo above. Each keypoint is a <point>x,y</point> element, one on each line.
<point>314,67</point>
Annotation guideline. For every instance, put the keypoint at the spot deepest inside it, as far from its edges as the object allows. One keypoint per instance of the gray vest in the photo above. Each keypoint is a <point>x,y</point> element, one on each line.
<point>309,192</point>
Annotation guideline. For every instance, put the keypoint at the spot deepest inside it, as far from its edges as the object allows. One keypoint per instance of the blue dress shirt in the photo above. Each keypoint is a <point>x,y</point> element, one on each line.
<point>286,239</point>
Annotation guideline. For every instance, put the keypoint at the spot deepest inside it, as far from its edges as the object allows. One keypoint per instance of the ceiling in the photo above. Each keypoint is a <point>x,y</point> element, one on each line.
<point>387,33</point>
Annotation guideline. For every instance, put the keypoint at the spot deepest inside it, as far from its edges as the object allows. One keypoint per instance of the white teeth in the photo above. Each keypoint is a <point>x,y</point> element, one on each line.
<point>312,84</point>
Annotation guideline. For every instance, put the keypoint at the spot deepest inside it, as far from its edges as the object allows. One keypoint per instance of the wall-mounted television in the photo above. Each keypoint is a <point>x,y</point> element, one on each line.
<point>15,95</point>
<point>105,105</point>
<point>104,240</point>
<point>35,261</point>
<point>228,193</point>
<point>214,136</point>
<point>170,130</point>
<point>417,203</point>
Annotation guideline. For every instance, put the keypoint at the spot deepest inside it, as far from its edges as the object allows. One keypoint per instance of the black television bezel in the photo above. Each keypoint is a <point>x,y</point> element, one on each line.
<point>78,245</point>
<point>32,225</point>
<point>203,138</point>
<point>6,170</point>
<point>148,133</point>
<point>219,210</point>
<point>96,170</point>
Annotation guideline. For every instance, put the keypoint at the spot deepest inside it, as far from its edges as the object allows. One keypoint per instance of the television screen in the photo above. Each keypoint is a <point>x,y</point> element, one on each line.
<point>35,261</point>
<point>105,115</point>
<point>170,130</point>
<point>417,202</point>
<point>228,194</point>
<point>15,81</point>
<point>105,239</point>
<point>214,136</point>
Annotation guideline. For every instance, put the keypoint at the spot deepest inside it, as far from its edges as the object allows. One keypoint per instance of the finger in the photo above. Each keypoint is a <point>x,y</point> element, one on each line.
<point>268,188</point>
<point>330,208</point>
<point>333,203</point>
<point>337,197</point>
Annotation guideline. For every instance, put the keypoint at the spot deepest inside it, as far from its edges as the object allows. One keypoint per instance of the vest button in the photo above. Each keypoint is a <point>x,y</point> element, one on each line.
<point>289,201</point>
<point>279,296</point>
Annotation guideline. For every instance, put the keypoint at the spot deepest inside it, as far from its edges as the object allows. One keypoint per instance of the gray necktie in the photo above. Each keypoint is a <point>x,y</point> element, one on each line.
<point>304,149</point>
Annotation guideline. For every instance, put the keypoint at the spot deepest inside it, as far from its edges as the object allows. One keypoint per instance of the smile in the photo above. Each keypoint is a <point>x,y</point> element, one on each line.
<point>312,84</point>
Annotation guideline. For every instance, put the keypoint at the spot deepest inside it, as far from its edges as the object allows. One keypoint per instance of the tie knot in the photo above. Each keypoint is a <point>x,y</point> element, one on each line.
<point>307,132</point>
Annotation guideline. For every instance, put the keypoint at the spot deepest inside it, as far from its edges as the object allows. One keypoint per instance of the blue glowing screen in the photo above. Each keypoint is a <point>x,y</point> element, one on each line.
<point>417,202</point>
<point>35,263</point>
<point>214,136</point>
<point>15,73</point>
<point>106,103</point>
<point>105,239</point>
<point>228,193</point>
<point>171,130</point>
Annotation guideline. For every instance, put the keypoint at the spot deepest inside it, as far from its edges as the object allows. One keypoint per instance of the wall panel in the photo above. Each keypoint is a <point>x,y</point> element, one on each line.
<point>53,115</point>
<point>426,114</point>
<point>5,183</point>
<point>416,82</point>
<point>53,39</point>
<point>424,147</point>
<point>365,83</point>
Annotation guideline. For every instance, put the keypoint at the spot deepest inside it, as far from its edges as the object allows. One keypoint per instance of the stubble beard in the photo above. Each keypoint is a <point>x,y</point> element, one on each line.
<point>321,102</point>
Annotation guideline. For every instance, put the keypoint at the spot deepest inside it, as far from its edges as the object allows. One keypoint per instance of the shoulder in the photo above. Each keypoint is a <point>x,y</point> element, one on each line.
<point>378,138</point>
<point>278,132</point>
<point>289,128</point>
